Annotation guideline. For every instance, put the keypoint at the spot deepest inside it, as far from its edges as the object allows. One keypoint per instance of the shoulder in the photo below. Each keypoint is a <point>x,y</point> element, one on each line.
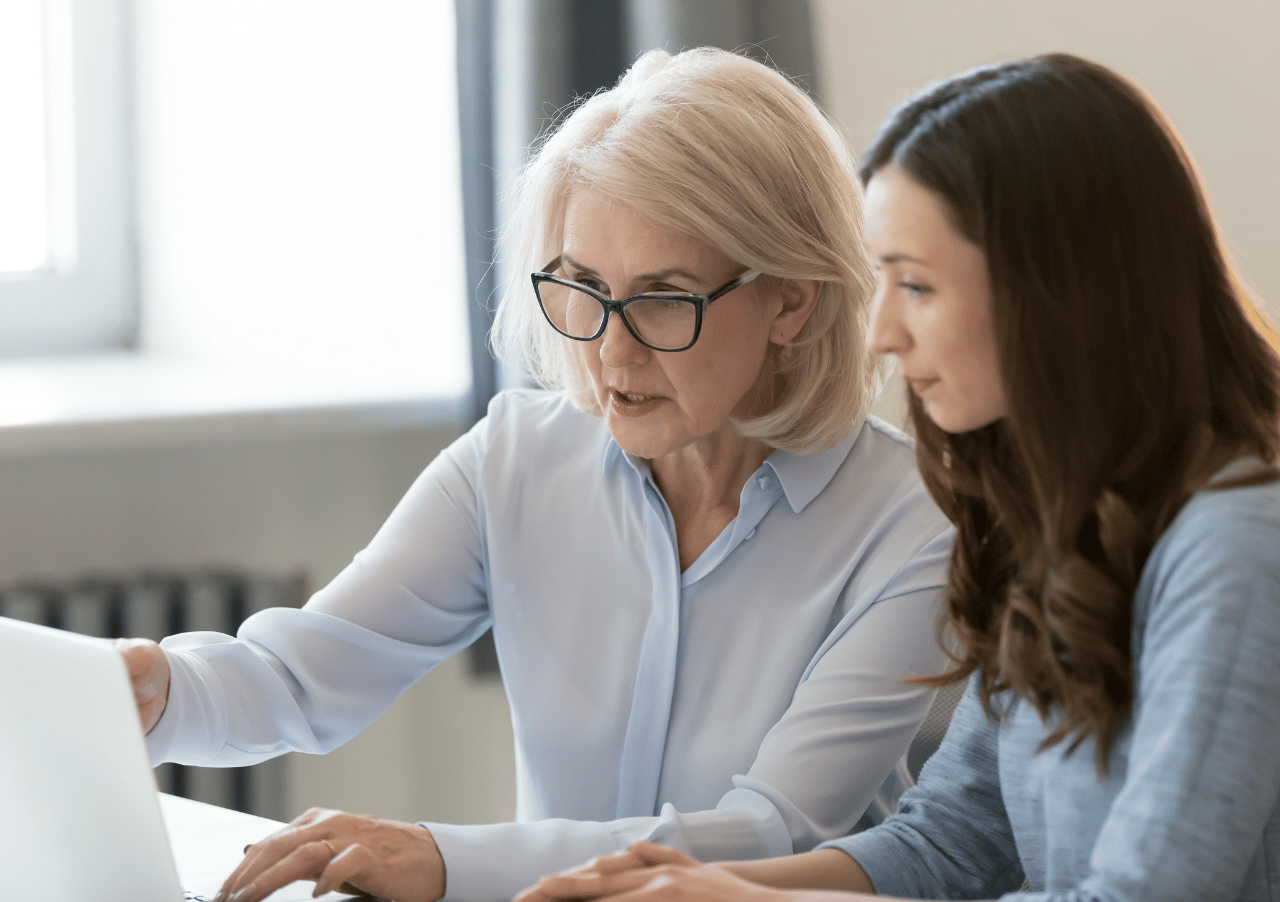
<point>884,453</point>
<point>1221,526</point>
<point>533,405</point>
<point>880,473</point>
<point>525,430</point>
<point>536,418</point>
<point>1220,558</point>
<point>877,505</point>
<point>886,432</point>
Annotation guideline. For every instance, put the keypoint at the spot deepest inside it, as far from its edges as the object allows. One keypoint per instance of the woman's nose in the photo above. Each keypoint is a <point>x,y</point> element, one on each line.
<point>618,347</point>
<point>886,333</point>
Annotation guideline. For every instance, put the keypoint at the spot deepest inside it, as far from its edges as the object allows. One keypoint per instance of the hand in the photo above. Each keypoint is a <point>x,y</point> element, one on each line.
<point>149,673</point>
<point>645,872</point>
<point>588,880</point>
<point>339,851</point>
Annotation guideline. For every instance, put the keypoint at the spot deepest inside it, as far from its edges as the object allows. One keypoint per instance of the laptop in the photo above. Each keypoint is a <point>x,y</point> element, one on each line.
<point>80,817</point>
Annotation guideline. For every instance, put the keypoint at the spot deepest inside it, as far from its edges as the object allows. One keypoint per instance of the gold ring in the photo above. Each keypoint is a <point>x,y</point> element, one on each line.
<point>333,853</point>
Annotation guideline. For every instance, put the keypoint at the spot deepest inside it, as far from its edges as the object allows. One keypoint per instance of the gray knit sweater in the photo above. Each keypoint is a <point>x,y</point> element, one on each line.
<point>1190,808</point>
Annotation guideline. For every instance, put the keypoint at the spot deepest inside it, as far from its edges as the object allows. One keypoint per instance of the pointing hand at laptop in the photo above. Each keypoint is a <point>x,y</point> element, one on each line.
<point>149,673</point>
<point>342,852</point>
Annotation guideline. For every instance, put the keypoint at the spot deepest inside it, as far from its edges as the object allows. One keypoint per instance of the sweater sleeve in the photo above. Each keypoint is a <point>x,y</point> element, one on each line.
<point>950,837</point>
<point>1203,775</point>
<point>1196,807</point>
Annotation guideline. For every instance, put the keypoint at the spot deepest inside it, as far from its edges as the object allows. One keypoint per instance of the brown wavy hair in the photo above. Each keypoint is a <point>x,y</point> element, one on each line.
<point>1134,364</point>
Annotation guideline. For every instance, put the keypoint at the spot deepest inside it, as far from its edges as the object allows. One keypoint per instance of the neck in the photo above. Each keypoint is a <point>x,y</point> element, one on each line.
<point>702,484</point>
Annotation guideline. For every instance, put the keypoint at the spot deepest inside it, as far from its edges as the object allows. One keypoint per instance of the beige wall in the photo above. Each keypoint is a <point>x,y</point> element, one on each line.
<point>1213,67</point>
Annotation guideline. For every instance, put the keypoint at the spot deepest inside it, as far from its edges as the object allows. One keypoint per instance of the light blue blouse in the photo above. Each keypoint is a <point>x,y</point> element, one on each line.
<point>751,705</point>
<point>1191,807</point>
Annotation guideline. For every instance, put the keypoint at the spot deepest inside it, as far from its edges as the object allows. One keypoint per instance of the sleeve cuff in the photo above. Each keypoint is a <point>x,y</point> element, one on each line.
<point>495,861</point>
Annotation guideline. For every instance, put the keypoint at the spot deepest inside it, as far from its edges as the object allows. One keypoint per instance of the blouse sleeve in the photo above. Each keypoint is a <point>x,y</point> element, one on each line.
<point>309,680</point>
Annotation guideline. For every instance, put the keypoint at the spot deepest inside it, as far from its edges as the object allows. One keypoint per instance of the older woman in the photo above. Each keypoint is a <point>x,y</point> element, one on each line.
<point>707,571</point>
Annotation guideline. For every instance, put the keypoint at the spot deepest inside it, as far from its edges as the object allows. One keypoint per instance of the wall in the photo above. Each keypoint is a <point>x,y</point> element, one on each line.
<point>1212,67</point>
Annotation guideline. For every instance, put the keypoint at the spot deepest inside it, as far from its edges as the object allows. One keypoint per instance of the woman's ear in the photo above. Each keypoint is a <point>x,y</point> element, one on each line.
<point>799,298</point>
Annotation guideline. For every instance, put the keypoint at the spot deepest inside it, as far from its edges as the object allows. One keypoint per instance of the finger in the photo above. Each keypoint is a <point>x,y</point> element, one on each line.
<point>619,861</point>
<point>148,671</point>
<point>263,854</point>
<point>306,862</point>
<point>662,884</point>
<point>347,868</point>
<point>531,894</point>
<point>139,661</point>
<point>652,854</point>
<point>605,864</point>
<point>257,857</point>
<point>584,885</point>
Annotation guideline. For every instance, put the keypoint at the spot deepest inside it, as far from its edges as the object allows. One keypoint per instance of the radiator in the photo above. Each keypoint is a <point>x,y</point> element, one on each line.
<point>153,605</point>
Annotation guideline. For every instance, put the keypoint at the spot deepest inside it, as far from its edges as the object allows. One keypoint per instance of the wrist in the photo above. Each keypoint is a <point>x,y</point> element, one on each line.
<point>436,878</point>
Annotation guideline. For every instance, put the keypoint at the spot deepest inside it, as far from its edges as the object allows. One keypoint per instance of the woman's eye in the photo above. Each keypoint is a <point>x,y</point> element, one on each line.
<point>594,284</point>
<point>914,289</point>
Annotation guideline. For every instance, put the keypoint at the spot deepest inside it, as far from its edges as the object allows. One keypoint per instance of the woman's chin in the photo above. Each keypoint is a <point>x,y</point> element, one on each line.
<point>637,443</point>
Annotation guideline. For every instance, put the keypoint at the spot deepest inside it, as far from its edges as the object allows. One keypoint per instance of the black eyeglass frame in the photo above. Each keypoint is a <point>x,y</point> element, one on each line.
<point>699,301</point>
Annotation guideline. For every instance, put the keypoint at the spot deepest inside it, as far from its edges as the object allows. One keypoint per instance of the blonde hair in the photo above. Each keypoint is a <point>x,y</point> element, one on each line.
<point>718,147</point>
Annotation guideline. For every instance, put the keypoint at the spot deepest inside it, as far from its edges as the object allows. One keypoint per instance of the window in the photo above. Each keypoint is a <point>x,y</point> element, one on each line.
<point>24,233</point>
<point>299,196</point>
<point>287,178</point>
<point>66,269</point>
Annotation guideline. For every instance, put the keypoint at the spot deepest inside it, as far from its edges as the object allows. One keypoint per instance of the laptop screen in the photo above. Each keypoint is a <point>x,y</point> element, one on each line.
<point>82,819</point>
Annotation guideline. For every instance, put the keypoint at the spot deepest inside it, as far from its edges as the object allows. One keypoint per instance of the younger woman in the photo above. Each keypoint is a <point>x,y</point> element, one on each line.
<point>1098,413</point>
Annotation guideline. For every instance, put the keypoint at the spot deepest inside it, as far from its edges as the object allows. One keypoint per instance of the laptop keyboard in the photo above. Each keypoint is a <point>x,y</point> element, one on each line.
<point>195,897</point>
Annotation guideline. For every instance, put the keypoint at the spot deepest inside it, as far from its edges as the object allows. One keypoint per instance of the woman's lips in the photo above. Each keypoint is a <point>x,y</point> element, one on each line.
<point>630,404</point>
<point>920,386</point>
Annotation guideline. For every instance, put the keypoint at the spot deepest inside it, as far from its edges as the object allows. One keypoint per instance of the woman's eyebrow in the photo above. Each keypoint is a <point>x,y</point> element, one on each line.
<point>565,258</point>
<point>898,257</point>
<point>659,276</point>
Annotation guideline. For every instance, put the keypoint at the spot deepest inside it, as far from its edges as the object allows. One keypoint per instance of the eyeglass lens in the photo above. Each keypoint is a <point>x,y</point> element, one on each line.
<point>663,323</point>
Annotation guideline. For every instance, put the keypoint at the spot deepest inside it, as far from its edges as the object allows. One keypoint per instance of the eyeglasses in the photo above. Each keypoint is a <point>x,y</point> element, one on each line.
<point>661,320</point>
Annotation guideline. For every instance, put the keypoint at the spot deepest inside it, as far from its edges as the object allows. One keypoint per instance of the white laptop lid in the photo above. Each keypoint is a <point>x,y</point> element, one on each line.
<point>81,818</point>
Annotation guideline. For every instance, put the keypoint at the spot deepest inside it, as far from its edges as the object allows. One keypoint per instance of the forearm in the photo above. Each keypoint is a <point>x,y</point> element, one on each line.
<point>824,875</point>
<point>823,869</point>
<point>294,680</point>
<point>493,861</point>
